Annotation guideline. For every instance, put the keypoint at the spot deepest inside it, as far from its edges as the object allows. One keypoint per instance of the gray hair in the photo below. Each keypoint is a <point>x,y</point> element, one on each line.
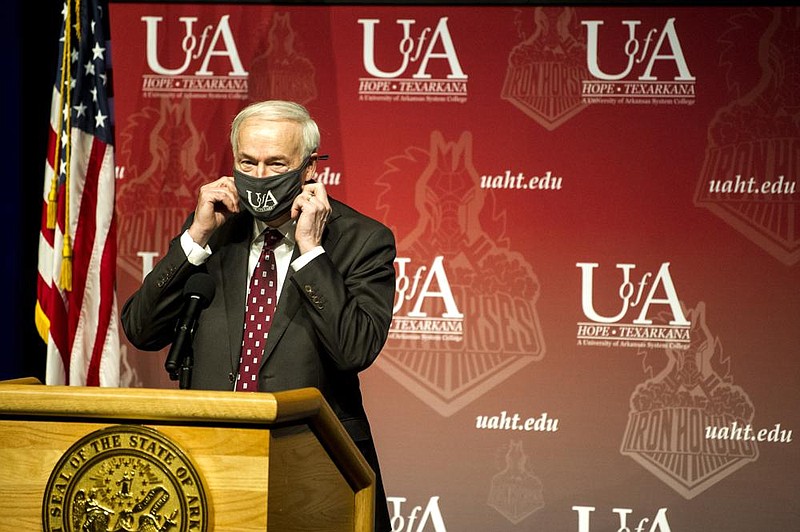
<point>279,110</point>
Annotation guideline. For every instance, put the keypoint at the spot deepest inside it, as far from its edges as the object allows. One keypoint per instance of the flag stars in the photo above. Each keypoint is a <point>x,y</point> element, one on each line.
<point>80,110</point>
<point>100,119</point>
<point>97,51</point>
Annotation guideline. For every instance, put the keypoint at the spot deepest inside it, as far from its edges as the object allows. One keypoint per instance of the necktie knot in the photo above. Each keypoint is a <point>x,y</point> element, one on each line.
<point>272,237</point>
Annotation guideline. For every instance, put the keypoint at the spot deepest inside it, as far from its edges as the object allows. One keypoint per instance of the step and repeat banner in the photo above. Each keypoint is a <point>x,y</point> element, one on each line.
<point>597,315</point>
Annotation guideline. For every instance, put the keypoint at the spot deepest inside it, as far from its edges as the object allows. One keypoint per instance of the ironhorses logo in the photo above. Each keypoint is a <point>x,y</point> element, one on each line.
<point>465,316</point>
<point>516,491</point>
<point>687,391</point>
<point>749,175</point>
<point>546,67</point>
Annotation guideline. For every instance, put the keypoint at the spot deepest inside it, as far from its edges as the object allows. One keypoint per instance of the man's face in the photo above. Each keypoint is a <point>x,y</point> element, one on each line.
<point>268,148</point>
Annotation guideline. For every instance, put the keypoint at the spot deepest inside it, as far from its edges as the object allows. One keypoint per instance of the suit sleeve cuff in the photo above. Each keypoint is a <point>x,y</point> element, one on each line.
<point>195,254</point>
<point>307,257</point>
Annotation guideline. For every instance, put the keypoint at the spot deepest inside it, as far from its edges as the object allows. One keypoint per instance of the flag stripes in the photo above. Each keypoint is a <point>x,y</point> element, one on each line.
<point>76,310</point>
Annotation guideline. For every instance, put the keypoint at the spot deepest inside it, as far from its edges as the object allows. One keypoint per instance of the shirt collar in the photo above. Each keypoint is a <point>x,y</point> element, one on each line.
<point>286,229</point>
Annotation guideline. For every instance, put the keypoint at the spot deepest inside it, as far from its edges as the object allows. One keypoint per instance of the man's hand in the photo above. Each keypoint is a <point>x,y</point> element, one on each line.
<point>311,209</point>
<point>216,202</point>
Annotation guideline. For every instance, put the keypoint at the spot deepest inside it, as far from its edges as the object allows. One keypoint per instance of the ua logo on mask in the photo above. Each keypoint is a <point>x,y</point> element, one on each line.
<point>261,202</point>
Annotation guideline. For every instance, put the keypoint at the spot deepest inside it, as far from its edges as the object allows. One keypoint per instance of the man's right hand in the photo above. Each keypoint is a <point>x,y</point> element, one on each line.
<point>216,202</point>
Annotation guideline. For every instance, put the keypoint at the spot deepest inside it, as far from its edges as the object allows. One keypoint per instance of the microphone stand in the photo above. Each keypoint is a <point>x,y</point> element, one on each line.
<point>200,291</point>
<point>186,368</point>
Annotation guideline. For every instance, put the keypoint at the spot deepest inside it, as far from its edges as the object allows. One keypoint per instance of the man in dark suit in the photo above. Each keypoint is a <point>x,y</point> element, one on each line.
<point>335,276</point>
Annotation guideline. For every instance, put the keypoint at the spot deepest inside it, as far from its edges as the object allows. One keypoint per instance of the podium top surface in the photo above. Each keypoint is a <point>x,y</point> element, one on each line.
<point>29,397</point>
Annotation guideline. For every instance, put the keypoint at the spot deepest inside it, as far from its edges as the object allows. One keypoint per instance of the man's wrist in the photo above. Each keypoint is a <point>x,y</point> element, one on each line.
<point>307,257</point>
<point>195,253</point>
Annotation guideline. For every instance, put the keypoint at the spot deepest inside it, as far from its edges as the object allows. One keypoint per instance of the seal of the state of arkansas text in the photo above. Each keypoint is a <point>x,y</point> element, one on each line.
<point>125,478</point>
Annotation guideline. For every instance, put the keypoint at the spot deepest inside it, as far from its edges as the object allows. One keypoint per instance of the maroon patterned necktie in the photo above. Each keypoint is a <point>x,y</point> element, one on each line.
<point>261,300</point>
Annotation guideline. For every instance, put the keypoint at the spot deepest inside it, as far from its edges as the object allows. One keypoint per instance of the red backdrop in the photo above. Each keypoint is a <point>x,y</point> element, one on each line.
<point>596,318</point>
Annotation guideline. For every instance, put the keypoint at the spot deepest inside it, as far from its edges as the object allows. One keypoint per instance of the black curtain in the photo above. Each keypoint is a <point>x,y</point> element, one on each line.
<point>30,38</point>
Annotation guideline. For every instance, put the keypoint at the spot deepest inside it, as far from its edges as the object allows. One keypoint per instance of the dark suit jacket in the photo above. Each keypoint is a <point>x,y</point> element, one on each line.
<point>331,322</point>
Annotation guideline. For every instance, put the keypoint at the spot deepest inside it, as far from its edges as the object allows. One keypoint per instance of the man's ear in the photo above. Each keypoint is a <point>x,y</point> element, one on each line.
<point>311,168</point>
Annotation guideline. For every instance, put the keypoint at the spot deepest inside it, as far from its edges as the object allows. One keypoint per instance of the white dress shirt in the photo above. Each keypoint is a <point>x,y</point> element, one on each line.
<point>197,255</point>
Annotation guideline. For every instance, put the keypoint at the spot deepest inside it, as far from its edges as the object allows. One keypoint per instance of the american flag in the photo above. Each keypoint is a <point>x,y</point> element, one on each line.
<point>76,307</point>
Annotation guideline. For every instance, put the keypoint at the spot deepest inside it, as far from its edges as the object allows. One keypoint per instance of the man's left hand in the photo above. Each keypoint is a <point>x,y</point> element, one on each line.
<point>310,209</point>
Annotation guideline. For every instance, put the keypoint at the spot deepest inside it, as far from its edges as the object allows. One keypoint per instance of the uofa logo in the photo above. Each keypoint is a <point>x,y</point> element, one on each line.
<point>640,300</point>
<point>209,64</point>
<point>656,71</point>
<point>418,64</point>
<point>663,45</point>
<point>633,295</point>
<point>417,49</point>
<point>424,284</point>
<point>201,48</point>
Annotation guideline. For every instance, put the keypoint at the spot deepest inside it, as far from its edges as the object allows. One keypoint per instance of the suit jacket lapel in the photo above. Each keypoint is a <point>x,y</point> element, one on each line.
<point>290,301</point>
<point>235,257</point>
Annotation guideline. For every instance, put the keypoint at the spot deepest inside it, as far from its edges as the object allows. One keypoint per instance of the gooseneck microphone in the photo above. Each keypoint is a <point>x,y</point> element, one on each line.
<point>198,293</point>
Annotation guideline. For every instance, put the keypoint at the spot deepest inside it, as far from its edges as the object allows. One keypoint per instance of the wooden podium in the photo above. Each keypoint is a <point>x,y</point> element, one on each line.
<point>178,460</point>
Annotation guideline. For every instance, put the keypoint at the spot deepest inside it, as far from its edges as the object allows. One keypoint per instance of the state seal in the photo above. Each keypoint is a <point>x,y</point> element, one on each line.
<point>125,478</point>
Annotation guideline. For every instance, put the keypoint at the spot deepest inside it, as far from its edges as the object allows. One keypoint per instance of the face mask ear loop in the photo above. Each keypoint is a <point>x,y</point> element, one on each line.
<point>306,163</point>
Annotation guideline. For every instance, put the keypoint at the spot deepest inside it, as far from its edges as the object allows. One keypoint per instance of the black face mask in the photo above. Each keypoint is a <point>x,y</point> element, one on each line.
<point>269,198</point>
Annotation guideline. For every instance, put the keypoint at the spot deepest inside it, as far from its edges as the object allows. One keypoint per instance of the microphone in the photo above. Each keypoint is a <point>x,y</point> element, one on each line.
<point>198,291</point>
